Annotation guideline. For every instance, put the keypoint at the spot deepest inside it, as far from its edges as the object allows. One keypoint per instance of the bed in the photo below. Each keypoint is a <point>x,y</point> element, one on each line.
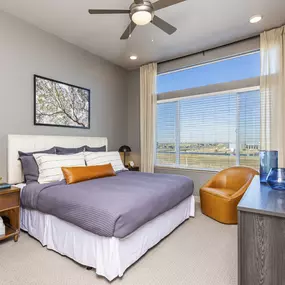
<point>121,240</point>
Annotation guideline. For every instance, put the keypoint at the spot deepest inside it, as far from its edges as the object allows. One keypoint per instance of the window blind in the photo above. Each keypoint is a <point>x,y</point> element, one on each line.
<point>209,131</point>
<point>166,133</point>
<point>207,126</point>
<point>249,128</point>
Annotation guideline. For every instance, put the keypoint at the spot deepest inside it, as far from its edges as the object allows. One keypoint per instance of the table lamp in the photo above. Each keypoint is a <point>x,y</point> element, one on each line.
<point>125,149</point>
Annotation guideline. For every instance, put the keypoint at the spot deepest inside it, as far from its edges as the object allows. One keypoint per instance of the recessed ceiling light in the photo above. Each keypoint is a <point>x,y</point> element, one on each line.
<point>255,19</point>
<point>133,57</point>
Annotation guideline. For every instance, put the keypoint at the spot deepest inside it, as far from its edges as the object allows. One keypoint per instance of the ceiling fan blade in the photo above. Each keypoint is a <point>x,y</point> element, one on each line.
<point>169,29</point>
<point>165,3</point>
<point>103,11</point>
<point>128,31</point>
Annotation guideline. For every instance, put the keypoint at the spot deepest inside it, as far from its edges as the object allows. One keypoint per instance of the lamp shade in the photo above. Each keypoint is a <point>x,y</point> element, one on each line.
<point>125,148</point>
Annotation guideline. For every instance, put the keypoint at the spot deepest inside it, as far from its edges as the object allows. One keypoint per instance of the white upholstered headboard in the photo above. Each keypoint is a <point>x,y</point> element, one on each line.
<point>36,143</point>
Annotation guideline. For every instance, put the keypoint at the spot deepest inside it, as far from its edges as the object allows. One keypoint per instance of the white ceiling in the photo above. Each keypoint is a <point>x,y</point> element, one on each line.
<point>201,24</point>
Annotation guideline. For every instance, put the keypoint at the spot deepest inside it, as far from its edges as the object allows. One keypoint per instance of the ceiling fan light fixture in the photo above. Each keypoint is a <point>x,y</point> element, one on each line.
<point>142,18</point>
<point>142,12</point>
<point>133,57</point>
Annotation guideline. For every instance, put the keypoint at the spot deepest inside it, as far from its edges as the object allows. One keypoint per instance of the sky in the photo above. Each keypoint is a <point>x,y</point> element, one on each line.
<point>238,68</point>
<point>211,119</point>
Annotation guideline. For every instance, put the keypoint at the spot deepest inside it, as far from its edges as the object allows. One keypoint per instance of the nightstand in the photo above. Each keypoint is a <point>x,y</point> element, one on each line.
<point>10,208</point>
<point>135,168</point>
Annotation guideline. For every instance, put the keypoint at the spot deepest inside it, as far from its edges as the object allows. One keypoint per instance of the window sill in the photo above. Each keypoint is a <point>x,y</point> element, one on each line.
<point>175,167</point>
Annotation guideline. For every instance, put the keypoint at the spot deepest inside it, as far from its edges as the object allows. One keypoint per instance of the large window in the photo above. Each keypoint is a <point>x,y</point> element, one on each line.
<point>213,130</point>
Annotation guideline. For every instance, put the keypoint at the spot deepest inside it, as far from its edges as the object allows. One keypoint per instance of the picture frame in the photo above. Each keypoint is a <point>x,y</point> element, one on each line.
<point>60,104</point>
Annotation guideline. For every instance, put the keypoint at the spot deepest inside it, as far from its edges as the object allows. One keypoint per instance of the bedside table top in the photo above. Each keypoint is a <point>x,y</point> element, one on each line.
<point>135,168</point>
<point>9,190</point>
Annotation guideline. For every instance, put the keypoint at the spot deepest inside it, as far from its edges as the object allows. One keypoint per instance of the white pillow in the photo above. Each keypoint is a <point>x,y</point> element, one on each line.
<point>99,158</point>
<point>50,165</point>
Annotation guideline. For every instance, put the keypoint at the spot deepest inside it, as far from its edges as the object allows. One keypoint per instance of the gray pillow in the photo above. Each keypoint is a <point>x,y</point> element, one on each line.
<point>64,150</point>
<point>95,149</point>
<point>29,164</point>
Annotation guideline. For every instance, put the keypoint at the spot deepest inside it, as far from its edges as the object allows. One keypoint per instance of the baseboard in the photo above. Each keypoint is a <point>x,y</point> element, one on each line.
<point>197,198</point>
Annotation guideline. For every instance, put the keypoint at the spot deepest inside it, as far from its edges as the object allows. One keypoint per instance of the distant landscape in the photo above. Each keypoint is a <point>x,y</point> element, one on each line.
<point>206,155</point>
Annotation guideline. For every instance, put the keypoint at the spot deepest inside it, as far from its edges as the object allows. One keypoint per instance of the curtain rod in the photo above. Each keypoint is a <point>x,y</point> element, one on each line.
<point>210,49</point>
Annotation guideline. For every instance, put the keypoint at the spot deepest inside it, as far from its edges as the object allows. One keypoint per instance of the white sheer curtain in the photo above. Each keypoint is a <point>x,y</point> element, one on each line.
<point>272,87</point>
<point>147,115</point>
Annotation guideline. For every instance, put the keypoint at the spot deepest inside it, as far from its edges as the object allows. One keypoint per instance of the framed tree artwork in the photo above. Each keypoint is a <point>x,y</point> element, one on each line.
<point>60,104</point>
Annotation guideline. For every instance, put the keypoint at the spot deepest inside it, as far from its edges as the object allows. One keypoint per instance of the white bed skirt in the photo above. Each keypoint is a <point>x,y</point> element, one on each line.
<point>110,256</point>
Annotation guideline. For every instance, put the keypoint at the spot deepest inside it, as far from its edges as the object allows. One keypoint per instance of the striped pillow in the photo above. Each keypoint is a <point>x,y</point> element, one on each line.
<point>50,165</point>
<point>100,158</point>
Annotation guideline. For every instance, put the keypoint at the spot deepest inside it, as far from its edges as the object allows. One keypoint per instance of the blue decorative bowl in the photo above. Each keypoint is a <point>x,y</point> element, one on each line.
<point>276,178</point>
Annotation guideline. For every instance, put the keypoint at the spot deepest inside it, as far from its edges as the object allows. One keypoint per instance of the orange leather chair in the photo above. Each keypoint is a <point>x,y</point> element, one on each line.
<point>221,194</point>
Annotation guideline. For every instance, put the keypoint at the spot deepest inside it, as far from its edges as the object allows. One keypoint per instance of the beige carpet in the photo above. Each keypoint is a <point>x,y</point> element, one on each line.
<point>199,252</point>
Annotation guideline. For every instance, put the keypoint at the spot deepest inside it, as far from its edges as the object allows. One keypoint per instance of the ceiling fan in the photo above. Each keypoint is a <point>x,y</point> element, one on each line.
<point>141,13</point>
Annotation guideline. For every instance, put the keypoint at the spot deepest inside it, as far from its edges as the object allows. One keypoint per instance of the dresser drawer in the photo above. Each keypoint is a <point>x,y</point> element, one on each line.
<point>9,200</point>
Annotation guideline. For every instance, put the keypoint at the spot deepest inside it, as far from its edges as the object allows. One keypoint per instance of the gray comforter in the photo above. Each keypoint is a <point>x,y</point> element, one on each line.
<point>113,206</point>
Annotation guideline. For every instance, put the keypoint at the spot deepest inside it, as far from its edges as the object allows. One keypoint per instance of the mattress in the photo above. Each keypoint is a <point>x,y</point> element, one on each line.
<point>112,206</point>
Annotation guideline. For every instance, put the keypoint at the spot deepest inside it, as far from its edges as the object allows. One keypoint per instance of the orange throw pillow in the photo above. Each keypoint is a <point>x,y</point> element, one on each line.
<point>83,173</point>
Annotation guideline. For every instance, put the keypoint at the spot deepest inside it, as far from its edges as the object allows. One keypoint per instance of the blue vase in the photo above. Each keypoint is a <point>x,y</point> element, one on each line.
<point>268,160</point>
<point>276,178</point>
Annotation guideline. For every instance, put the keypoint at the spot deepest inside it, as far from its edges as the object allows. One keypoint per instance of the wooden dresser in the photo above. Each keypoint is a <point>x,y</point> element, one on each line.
<point>261,236</point>
<point>10,208</point>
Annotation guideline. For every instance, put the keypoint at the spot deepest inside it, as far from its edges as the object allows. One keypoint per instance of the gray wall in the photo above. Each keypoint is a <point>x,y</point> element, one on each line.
<point>26,50</point>
<point>133,83</point>
<point>199,176</point>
